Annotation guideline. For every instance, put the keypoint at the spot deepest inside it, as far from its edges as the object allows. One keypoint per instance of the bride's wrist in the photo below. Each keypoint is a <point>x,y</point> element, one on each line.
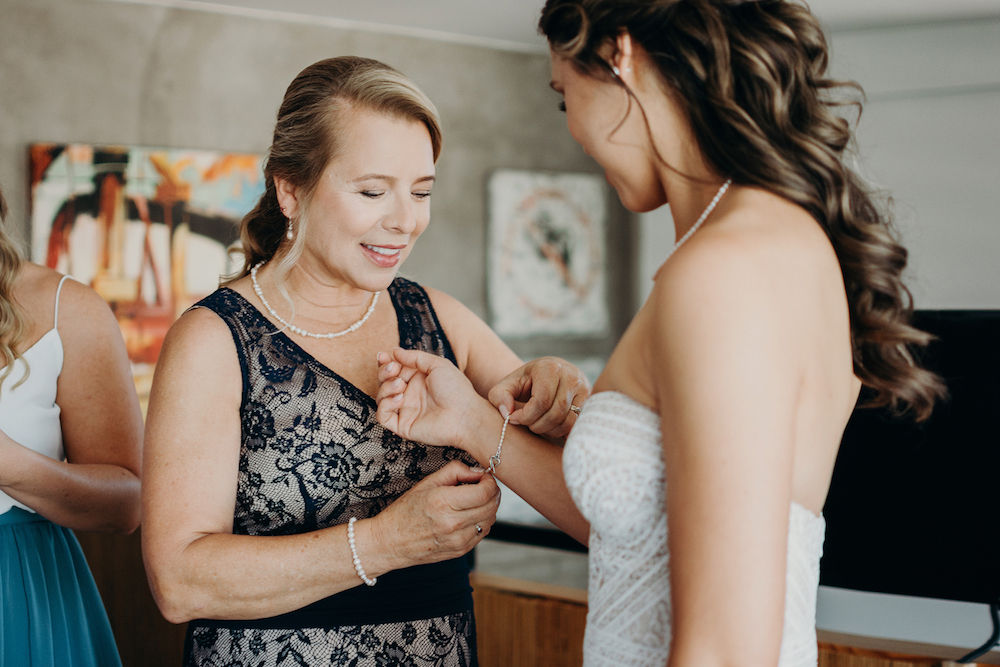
<point>481,428</point>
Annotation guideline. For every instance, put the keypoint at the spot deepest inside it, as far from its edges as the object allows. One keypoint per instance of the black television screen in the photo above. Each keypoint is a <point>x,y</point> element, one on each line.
<point>914,509</point>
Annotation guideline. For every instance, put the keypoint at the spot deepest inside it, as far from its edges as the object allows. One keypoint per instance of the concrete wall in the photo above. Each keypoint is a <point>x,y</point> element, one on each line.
<point>105,72</point>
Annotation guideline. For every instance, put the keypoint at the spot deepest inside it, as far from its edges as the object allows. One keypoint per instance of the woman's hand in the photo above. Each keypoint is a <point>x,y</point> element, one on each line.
<point>437,518</point>
<point>541,394</point>
<point>425,397</point>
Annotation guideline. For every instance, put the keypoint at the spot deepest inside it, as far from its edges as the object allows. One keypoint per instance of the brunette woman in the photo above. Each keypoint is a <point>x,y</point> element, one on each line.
<point>703,457</point>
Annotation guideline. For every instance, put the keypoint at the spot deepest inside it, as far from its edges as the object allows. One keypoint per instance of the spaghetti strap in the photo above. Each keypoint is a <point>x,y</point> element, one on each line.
<point>55,321</point>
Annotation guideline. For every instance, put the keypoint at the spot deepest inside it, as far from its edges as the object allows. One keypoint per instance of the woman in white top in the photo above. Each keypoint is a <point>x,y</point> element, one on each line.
<point>70,439</point>
<point>703,458</point>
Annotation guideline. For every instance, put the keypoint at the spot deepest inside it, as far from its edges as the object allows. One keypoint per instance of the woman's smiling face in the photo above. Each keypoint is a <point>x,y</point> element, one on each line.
<point>371,203</point>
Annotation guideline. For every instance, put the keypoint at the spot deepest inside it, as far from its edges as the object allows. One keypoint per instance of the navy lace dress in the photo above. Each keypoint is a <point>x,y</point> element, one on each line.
<point>313,456</point>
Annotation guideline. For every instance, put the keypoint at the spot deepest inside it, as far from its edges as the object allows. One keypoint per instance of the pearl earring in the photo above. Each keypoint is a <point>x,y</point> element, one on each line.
<point>616,70</point>
<point>289,234</point>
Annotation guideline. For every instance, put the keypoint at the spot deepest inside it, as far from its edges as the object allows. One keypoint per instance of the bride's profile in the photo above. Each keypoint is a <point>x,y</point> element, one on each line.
<point>703,457</point>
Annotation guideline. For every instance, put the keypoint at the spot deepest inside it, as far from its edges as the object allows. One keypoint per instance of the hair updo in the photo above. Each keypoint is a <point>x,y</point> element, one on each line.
<point>307,138</point>
<point>751,77</point>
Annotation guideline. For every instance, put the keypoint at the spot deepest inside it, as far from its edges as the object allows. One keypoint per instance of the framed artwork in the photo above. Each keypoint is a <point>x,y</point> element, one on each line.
<point>546,255</point>
<point>147,228</point>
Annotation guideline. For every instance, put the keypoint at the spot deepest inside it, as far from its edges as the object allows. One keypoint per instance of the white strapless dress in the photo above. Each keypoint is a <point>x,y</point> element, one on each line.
<point>613,464</point>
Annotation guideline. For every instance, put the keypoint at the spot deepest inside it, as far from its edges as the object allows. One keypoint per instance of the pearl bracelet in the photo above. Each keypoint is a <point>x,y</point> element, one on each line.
<point>354,552</point>
<point>495,459</point>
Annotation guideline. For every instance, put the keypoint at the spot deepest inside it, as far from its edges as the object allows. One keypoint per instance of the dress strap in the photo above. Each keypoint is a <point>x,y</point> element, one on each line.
<point>419,327</point>
<point>55,319</point>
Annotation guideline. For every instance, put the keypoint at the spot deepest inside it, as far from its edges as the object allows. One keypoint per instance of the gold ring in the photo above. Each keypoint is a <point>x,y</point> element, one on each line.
<point>575,408</point>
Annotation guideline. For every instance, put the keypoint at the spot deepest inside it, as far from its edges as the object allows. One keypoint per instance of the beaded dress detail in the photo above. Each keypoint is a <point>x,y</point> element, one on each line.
<point>613,463</point>
<point>312,456</point>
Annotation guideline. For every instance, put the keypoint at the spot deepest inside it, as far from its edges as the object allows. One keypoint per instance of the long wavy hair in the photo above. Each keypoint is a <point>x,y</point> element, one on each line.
<point>751,77</point>
<point>307,138</point>
<point>12,323</point>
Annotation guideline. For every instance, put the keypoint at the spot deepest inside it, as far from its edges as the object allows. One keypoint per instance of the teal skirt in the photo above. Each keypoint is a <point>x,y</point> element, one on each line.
<point>51,613</point>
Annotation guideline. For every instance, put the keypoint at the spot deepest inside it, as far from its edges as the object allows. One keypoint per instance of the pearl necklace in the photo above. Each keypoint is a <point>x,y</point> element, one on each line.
<point>300,331</point>
<point>704,215</point>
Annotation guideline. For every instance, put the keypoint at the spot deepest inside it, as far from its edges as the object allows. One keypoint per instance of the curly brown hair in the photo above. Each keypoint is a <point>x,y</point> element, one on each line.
<point>751,77</point>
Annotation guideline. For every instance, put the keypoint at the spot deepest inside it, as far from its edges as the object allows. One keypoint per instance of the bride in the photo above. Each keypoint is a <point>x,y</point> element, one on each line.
<point>712,433</point>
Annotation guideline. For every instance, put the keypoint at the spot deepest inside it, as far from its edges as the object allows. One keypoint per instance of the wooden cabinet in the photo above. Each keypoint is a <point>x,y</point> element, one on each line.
<point>145,638</point>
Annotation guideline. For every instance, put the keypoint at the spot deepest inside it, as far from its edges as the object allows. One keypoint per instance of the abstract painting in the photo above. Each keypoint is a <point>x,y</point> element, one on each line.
<point>147,228</point>
<point>546,254</point>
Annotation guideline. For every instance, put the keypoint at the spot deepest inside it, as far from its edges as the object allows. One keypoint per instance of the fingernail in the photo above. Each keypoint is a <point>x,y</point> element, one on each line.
<point>378,357</point>
<point>477,469</point>
<point>503,411</point>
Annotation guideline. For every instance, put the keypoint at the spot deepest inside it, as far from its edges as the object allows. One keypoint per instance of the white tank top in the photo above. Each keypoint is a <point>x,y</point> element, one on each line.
<point>614,469</point>
<point>28,413</point>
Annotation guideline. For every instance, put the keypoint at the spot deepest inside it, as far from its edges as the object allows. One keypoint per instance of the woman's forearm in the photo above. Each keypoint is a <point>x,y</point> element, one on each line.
<point>530,465</point>
<point>92,497</point>
<point>198,572</point>
<point>224,576</point>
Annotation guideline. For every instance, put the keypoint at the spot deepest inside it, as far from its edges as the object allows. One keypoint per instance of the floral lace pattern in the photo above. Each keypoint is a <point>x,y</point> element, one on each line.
<point>312,456</point>
<point>614,469</point>
<point>440,642</point>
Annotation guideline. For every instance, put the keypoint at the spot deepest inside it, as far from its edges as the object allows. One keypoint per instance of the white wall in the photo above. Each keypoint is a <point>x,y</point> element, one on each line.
<point>930,135</point>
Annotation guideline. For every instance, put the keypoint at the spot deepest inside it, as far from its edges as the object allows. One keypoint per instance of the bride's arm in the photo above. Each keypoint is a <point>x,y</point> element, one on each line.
<point>727,386</point>
<point>538,394</point>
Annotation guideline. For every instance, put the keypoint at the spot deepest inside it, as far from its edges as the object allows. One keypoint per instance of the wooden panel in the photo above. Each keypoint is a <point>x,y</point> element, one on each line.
<point>145,638</point>
<point>523,624</point>
<point>881,646</point>
<point>833,655</point>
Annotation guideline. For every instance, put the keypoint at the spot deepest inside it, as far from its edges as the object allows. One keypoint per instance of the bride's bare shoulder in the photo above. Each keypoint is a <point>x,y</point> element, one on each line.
<point>758,249</point>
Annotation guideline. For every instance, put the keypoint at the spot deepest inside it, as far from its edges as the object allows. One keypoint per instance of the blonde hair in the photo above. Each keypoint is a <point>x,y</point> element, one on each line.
<point>12,322</point>
<point>307,137</point>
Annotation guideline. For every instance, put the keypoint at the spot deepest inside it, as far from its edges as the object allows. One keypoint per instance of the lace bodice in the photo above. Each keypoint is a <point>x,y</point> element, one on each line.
<point>313,454</point>
<point>614,469</point>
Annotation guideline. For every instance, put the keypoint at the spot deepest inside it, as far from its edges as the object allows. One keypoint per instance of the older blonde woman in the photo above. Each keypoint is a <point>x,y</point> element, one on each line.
<point>281,519</point>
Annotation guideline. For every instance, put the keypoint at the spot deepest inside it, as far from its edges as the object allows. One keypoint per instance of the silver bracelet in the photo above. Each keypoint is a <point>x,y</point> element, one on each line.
<point>495,459</point>
<point>354,552</point>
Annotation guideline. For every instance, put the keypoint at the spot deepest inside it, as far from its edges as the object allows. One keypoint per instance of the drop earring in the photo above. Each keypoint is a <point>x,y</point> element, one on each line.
<point>289,234</point>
